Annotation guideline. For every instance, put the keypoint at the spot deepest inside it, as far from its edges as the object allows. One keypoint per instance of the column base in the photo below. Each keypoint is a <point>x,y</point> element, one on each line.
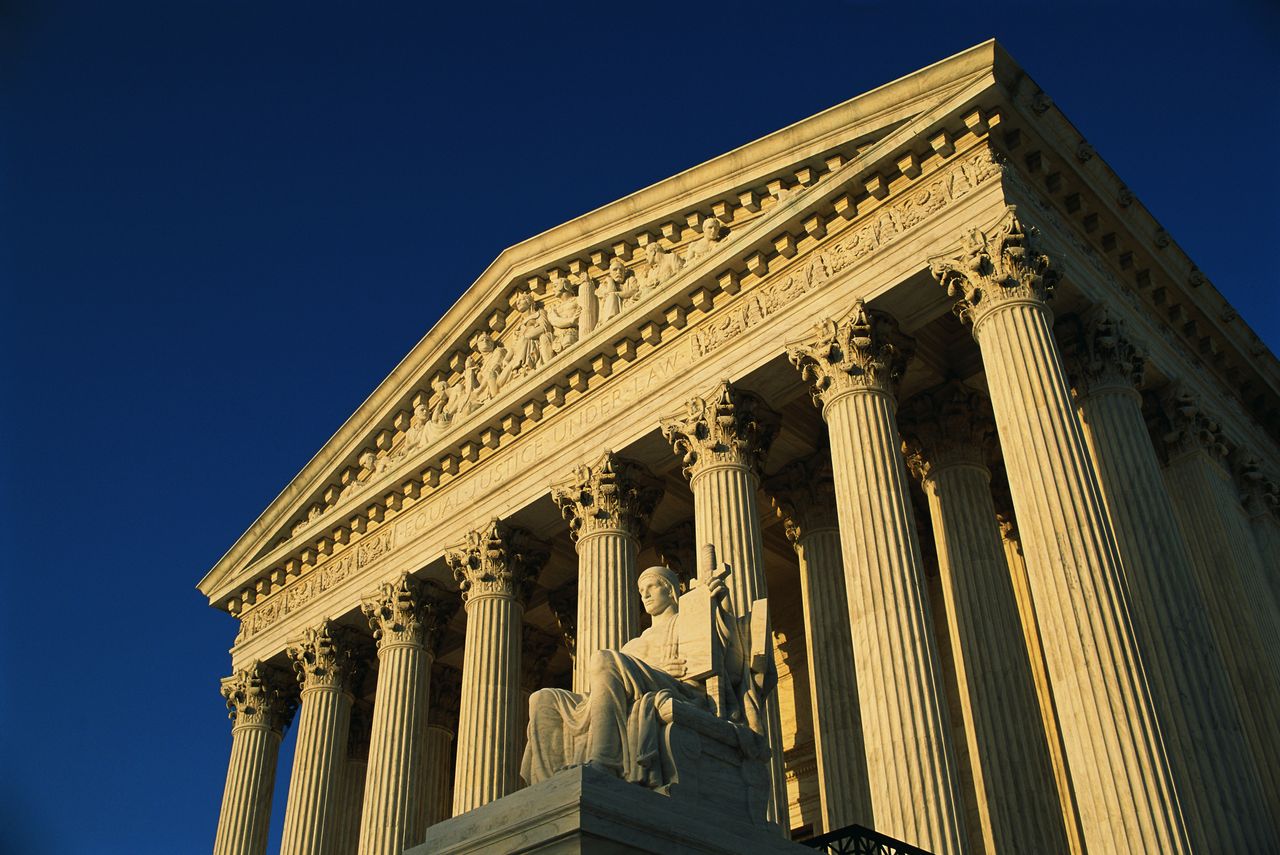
<point>589,812</point>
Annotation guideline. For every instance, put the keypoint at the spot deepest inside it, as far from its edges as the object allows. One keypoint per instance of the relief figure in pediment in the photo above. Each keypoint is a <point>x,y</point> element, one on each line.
<point>565,313</point>
<point>588,304</point>
<point>663,266</point>
<point>712,234</point>
<point>618,286</point>
<point>483,374</point>
<point>534,334</point>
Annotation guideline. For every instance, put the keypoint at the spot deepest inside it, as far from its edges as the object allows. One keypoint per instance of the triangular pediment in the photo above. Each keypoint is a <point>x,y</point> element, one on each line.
<point>552,305</point>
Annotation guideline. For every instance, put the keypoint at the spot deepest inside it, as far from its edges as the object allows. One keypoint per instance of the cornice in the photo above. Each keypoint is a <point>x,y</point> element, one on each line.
<point>865,177</point>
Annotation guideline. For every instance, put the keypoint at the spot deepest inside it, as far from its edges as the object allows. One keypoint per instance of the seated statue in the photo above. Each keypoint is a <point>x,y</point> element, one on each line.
<point>681,707</point>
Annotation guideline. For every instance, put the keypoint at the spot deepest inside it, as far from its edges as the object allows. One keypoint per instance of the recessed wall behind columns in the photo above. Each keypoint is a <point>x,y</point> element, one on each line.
<point>625,406</point>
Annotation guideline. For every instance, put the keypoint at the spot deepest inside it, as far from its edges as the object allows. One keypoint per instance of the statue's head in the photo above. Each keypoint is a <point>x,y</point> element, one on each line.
<point>711,228</point>
<point>659,590</point>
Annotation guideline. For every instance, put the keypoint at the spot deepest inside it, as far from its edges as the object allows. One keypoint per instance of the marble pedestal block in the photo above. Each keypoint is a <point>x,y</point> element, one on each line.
<point>589,812</point>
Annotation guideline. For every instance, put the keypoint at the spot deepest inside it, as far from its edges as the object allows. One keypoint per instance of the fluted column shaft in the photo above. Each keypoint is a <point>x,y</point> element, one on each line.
<point>1119,772</point>
<point>404,621</point>
<point>1017,567</point>
<point>947,430</point>
<point>837,724</point>
<point>246,800</point>
<point>856,365</point>
<point>325,668</point>
<point>494,568</point>
<point>905,729</point>
<point>489,715</point>
<point>608,607</point>
<point>1222,555</point>
<point>1199,719</point>
<point>723,439</point>
<point>261,710</point>
<point>804,495</point>
<point>352,800</point>
<point>439,774</point>
<point>607,505</point>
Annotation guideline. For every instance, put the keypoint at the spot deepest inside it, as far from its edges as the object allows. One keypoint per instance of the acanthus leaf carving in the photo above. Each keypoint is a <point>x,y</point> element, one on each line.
<point>863,352</point>
<point>996,267</point>
<point>260,695</point>
<point>729,426</point>
<point>1180,426</point>
<point>1098,352</point>
<point>803,495</point>
<point>613,494</point>
<point>497,560</point>
<point>947,425</point>
<point>324,657</point>
<point>406,611</point>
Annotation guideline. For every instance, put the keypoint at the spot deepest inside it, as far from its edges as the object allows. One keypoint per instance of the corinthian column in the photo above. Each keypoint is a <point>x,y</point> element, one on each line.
<point>495,567</point>
<point>946,433</point>
<point>855,366</point>
<point>608,506</point>
<point>1198,715</point>
<point>405,621</point>
<point>1119,771</point>
<point>261,706</point>
<point>804,497</point>
<point>1226,563</point>
<point>722,440</point>
<point>325,663</point>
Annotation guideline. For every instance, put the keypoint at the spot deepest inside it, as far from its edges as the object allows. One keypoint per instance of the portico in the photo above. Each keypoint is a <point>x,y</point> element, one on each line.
<point>740,354</point>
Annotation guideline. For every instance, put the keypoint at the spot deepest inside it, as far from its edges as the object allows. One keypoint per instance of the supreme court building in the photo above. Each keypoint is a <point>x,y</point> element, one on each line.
<point>921,368</point>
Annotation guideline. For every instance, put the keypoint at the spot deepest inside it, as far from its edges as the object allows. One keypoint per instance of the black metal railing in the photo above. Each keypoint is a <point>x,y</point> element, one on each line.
<point>858,840</point>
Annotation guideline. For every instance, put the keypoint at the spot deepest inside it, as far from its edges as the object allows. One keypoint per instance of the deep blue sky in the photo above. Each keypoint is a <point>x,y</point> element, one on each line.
<point>222,225</point>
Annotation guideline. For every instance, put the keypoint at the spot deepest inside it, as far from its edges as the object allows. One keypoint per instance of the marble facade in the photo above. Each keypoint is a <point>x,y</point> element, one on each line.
<point>930,378</point>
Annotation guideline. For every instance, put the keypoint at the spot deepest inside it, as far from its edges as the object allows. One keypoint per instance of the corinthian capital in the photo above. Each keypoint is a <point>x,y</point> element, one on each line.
<point>1179,426</point>
<point>259,696</point>
<point>994,268</point>
<point>325,657</point>
<point>730,426</point>
<point>864,352</point>
<point>497,560</point>
<point>1259,492</point>
<point>944,426</point>
<point>1098,353</point>
<point>614,494</point>
<point>405,612</point>
<point>803,495</point>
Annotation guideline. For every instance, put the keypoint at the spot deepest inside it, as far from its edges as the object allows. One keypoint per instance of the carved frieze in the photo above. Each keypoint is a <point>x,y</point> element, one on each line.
<point>260,695</point>
<point>863,352</point>
<point>497,560</point>
<point>948,425</point>
<point>613,494</point>
<point>884,226</point>
<point>803,495</point>
<point>995,267</point>
<point>729,426</point>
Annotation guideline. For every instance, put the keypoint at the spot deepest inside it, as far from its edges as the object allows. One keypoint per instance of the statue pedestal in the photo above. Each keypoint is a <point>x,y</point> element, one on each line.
<point>588,812</point>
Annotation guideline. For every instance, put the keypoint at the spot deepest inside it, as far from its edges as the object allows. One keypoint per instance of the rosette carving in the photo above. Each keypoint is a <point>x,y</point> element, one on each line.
<point>944,426</point>
<point>803,495</point>
<point>864,352</point>
<point>730,426</point>
<point>1098,353</point>
<point>405,612</point>
<point>614,494</point>
<point>497,560</point>
<point>325,657</point>
<point>260,695</point>
<point>1180,427</point>
<point>995,267</point>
